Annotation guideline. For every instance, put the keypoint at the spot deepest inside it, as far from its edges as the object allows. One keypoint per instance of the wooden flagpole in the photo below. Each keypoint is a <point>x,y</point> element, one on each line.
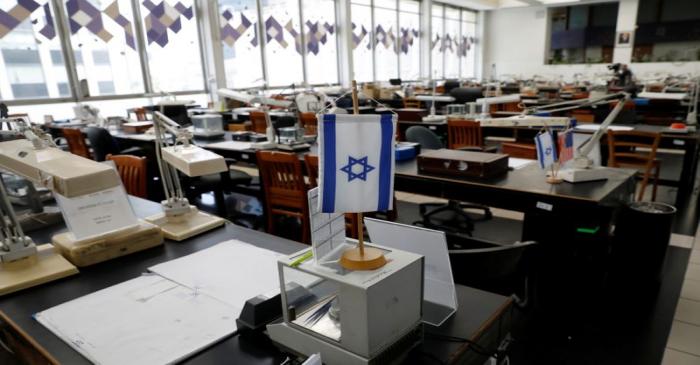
<point>360,223</point>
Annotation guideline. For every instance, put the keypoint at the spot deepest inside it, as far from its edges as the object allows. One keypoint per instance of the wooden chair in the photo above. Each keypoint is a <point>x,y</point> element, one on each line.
<point>257,119</point>
<point>411,103</point>
<point>519,150</point>
<point>76,142</point>
<point>309,122</point>
<point>285,189</point>
<point>466,134</point>
<point>133,171</point>
<point>311,162</point>
<point>636,149</point>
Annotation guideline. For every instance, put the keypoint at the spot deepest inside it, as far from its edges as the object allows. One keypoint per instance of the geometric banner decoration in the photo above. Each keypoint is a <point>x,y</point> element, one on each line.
<point>20,12</point>
<point>406,39</point>
<point>317,35</point>
<point>296,35</point>
<point>274,30</point>
<point>82,13</point>
<point>49,29</point>
<point>229,34</point>
<point>387,38</point>
<point>113,12</point>
<point>357,39</point>
<point>162,17</point>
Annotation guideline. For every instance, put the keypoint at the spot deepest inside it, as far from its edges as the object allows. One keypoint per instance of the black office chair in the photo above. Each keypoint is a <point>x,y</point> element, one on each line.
<point>502,269</point>
<point>104,144</point>
<point>460,221</point>
<point>230,181</point>
<point>451,85</point>
<point>466,94</point>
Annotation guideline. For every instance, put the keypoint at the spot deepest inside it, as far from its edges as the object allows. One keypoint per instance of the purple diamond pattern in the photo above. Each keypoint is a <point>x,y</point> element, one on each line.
<point>20,12</point>
<point>274,31</point>
<point>113,12</point>
<point>296,35</point>
<point>82,14</point>
<point>163,16</point>
<point>229,34</point>
<point>357,38</point>
<point>49,29</point>
<point>406,39</point>
<point>317,35</point>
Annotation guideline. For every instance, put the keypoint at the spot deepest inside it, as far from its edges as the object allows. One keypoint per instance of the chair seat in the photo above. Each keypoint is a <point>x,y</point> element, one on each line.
<point>237,177</point>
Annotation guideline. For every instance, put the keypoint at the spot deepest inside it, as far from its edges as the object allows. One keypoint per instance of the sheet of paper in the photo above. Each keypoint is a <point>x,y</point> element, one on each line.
<point>518,163</point>
<point>595,127</point>
<point>327,229</point>
<point>231,145</point>
<point>232,272</point>
<point>97,213</point>
<point>147,320</point>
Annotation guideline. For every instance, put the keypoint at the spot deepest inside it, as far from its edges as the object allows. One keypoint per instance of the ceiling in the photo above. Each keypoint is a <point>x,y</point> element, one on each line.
<point>503,4</point>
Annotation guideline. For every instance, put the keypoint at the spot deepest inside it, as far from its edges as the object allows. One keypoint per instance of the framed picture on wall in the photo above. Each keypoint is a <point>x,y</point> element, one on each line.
<point>624,39</point>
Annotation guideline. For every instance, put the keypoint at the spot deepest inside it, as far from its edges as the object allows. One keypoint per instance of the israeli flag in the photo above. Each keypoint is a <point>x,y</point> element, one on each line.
<point>356,162</point>
<point>546,149</point>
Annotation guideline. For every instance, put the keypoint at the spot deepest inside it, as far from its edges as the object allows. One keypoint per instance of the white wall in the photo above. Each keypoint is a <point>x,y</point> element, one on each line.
<point>516,42</point>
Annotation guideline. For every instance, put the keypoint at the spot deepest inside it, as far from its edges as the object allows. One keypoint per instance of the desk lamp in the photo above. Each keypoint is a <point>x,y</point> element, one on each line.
<point>180,220</point>
<point>692,118</point>
<point>583,169</point>
<point>22,263</point>
<point>433,99</point>
<point>71,177</point>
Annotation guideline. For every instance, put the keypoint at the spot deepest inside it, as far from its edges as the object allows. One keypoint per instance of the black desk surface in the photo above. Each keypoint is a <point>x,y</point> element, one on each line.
<point>527,182</point>
<point>477,309</point>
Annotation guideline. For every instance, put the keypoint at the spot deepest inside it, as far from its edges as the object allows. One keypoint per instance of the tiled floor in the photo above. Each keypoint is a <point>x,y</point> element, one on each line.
<point>683,345</point>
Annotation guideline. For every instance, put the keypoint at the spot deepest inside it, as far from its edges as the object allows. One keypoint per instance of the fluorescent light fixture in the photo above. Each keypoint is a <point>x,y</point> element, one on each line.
<point>193,160</point>
<point>511,4</point>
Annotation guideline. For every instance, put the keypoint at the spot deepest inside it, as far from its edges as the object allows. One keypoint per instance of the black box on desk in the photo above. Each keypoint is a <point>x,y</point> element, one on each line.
<point>462,163</point>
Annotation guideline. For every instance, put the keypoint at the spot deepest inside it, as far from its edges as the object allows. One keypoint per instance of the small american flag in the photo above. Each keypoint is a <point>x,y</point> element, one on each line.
<point>566,146</point>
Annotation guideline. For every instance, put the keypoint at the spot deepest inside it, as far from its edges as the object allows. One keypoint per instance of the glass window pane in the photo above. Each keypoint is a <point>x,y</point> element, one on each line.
<point>451,13</point>
<point>239,42</point>
<point>667,31</point>
<point>386,59</point>
<point>469,16</point>
<point>409,43</point>
<point>102,33</point>
<point>450,44</point>
<point>409,6</point>
<point>466,49</point>
<point>31,62</point>
<point>436,43</point>
<point>283,42</point>
<point>362,42</point>
<point>172,45</point>
<point>321,43</point>
<point>386,4</point>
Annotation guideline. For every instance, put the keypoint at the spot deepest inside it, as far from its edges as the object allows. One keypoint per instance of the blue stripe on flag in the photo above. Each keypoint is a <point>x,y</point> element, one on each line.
<point>385,157</point>
<point>540,153</point>
<point>329,171</point>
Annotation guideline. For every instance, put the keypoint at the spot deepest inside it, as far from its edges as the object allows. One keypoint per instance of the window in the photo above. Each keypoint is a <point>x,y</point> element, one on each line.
<point>172,45</point>
<point>385,55</point>
<point>103,39</point>
<point>409,39</point>
<point>437,28</point>
<point>28,48</point>
<point>362,55</point>
<point>466,45</point>
<point>667,31</point>
<point>582,33</point>
<point>450,42</point>
<point>321,41</point>
<point>283,47</point>
<point>240,43</point>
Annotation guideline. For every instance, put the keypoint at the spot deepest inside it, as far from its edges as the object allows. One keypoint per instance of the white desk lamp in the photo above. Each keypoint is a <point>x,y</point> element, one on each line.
<point>583,168</point>
<point>433,99</point>
<point>692,117</point>
<point>22,263</point>
<point>180,220</point>
<point>70,176</point>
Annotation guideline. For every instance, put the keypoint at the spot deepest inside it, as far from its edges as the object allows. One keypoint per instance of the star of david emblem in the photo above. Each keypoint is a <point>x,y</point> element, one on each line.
<point>357,173</point>
<point>548,151</point>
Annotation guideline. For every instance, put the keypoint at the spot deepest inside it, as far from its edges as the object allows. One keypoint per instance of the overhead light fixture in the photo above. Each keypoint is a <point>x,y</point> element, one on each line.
<point>548,2</point>
<point>512,4</point>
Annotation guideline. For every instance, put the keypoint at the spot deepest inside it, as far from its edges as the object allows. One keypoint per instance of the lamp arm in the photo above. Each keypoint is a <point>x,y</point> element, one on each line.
<point>14,244</point>
<point>35,135</point>
<point>584,149</point>
<point>574,104</point>
<point>171,180</point>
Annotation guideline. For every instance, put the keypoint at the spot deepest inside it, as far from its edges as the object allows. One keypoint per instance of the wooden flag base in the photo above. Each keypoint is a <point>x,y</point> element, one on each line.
<point>554,180</point>
<point>372,259</point>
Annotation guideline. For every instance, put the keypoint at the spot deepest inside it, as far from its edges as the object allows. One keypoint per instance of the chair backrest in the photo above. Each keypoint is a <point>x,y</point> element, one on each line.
<point>423,136</point>
<point>632,149</point>
<point>282,179</point>
<point>133,171</point>
<point>257,119</point>
<point>519,150</point>
<point>102,143</point>
<point>76,142</point>
<point>411,103</point>
<point>312,169</point>
<point>464,133</point>
<point>483,265</point>
<point>309,122</point>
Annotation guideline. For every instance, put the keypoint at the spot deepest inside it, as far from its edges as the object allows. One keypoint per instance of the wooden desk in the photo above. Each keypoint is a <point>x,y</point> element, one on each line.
<point>482,316</point>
